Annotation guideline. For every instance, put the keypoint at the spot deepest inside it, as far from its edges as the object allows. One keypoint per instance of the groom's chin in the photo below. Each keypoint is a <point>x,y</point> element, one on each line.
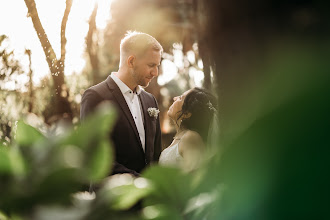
<point>145,85</point>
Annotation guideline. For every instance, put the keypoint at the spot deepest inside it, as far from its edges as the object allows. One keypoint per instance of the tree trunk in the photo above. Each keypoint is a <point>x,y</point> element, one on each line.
<point>61,105</point>
<point>205,55</point>
<point>92,47</point>
<point>203,46</point>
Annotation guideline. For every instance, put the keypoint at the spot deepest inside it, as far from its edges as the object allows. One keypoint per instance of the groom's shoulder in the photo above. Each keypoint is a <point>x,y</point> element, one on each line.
<point>148,95</point>
<point>100,88</point>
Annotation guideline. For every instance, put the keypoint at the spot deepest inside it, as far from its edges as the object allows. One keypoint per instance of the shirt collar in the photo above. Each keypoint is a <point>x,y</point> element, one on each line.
<point>123,87</point>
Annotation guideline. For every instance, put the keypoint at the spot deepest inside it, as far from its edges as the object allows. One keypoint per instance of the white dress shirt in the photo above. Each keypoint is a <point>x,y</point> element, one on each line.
<point>134,105</point>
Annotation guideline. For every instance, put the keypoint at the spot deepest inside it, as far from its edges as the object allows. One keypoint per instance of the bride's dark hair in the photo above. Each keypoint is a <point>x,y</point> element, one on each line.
<point>202,105</point>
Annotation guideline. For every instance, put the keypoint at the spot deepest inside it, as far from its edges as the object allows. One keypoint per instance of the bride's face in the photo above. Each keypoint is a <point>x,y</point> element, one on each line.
<point>175,108</point>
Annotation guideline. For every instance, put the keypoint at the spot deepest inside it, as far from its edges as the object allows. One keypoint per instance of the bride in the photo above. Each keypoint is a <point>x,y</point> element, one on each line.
<point>193,114</point>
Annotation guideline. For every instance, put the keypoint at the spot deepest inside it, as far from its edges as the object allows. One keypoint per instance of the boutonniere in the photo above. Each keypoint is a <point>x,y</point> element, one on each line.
<point>153,112</point>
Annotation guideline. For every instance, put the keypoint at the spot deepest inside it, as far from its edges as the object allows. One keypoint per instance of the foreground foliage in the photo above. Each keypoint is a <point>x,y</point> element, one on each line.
<point>272,170</point>
<point>43,176</point>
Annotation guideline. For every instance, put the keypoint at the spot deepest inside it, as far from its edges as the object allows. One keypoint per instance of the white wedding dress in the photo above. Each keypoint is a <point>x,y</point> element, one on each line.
<point>170,156</point>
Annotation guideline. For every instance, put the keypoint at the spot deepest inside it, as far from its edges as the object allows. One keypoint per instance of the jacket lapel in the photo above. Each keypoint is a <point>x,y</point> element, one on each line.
<point>146,121</point>
<point>123,105</point>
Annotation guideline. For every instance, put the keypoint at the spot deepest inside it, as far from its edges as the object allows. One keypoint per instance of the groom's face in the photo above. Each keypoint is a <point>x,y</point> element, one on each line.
<point>146,67</point>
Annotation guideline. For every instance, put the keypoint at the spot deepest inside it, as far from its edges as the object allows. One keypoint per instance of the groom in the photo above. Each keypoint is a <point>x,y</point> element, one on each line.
<point>136,136</point>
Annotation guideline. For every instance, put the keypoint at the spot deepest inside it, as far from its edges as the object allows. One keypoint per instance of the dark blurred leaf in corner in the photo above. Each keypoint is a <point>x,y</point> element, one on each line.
<point>276,169</point>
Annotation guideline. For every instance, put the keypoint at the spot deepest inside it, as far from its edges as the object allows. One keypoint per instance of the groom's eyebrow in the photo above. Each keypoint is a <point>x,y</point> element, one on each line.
<point>154,64</point>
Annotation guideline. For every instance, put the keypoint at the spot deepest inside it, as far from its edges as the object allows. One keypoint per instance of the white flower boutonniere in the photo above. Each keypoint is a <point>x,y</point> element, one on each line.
<point>153,112</point>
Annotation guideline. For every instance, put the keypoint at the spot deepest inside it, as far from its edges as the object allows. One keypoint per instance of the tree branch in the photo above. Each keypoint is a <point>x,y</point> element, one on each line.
<point>46,46</point>
<point>92,47</point>
<point>63,29</point>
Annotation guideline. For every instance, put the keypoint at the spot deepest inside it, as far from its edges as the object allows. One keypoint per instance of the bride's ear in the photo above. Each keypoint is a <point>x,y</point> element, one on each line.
<point>186,115</point>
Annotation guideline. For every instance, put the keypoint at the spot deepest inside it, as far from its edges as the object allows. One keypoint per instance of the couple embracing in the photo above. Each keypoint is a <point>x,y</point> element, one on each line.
<point>136,136</point>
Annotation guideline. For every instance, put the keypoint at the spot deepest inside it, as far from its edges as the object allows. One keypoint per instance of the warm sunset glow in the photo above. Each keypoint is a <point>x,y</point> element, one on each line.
<point>22,34</point>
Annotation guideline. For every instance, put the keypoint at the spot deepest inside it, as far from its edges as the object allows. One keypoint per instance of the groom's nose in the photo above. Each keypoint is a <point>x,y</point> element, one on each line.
<point>154,72</point>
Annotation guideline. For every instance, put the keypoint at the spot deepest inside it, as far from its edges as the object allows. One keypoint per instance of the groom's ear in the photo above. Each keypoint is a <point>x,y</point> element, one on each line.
<point>130,61</point>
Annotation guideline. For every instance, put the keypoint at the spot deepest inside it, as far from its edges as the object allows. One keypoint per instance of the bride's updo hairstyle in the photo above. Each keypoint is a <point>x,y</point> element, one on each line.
<point>202,105</point>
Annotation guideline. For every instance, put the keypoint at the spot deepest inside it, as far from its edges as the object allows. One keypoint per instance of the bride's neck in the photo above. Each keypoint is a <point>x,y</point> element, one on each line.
<point>179,132</point>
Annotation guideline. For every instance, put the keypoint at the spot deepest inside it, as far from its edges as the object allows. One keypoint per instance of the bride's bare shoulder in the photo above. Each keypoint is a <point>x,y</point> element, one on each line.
<point>192,136</point>
<point>191,140</point>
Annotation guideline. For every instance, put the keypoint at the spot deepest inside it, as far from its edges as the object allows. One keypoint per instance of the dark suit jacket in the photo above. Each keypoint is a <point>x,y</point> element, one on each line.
<point>129,154</point>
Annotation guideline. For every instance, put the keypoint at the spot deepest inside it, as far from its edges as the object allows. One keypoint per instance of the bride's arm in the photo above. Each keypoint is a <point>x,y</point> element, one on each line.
<point>191,148</point>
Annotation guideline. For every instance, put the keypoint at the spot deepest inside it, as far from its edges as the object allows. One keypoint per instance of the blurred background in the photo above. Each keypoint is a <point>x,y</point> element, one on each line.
<point>267,61</point>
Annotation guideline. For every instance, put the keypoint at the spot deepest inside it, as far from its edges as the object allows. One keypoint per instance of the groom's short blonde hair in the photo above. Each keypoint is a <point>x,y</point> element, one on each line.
<point>137,43</point>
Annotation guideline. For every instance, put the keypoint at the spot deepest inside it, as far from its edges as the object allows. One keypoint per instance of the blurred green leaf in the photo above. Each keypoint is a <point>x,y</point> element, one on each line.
<point>5,166</point>
<point>3,216</point>
<point>96,126</point>
<point>17,162</point>
<point>93,137</point>
<point>100,161</point>
<point>27,135</point>
<point>172,187</point>
<point>161,212</point>
<point>11,161</point>
<point>123,191</point>
<point>127,196</point>
<point>58,186</point>
<point>67,156</point>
